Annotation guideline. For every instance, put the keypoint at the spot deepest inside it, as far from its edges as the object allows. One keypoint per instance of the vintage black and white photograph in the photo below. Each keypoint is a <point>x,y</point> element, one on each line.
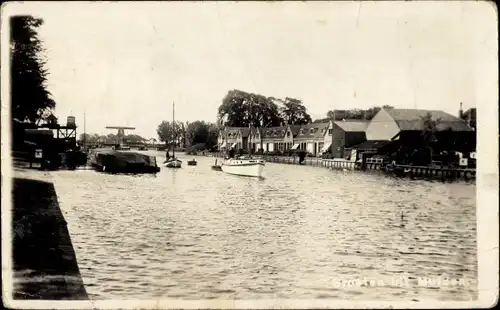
<point>249,154</point>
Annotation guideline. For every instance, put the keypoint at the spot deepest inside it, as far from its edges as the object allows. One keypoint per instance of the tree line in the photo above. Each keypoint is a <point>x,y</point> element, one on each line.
<point>197,134</point>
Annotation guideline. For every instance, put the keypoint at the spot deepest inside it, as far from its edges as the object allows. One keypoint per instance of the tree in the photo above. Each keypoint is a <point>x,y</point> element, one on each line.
<point>213,134</point>
<point>170,133</point>
<point>239,109</point>
<point>429,128</point>
<point>133,138</point>
<point>353,114</point>
<point>293,112</point>
<point>30,98</point>
<point>197,132</point>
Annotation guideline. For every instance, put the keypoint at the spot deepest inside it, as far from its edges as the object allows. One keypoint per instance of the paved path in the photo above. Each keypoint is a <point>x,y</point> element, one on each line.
<point>45,265</point>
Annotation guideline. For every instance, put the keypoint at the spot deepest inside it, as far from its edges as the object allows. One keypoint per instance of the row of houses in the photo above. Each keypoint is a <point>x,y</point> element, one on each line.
<point>340,137</point>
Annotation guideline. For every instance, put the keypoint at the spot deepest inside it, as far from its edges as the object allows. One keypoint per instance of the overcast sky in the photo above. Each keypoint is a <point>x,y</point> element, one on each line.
<point>125,63</point>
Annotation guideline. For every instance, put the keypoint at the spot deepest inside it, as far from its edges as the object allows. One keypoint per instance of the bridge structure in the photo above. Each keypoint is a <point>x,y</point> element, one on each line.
<point>121,131</point>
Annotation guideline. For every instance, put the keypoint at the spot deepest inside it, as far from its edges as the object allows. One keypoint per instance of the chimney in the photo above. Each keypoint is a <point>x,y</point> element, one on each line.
<point>460,112</point>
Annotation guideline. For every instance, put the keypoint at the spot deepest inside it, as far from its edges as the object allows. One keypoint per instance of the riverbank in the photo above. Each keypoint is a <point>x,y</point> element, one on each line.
<point>375,165</point>
<point>44,261</point>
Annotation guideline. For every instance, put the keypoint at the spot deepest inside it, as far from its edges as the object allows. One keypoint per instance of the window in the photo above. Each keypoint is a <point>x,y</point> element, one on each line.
<point>302,131</point>
<point>311,130</point>
<point>288,134</point>
<point>330,132</point>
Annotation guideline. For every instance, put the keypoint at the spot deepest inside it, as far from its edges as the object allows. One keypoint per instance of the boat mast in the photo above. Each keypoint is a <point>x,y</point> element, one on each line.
<point>84,130</point>
<point>250,131</point>
<point>173,126</point>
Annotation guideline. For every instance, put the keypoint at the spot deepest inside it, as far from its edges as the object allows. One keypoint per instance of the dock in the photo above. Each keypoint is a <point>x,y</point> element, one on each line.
<point>377,164</point>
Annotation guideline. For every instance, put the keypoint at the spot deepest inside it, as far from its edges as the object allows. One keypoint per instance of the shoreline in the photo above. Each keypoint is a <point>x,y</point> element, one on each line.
<point>398,171</point>
<point>43,257</point>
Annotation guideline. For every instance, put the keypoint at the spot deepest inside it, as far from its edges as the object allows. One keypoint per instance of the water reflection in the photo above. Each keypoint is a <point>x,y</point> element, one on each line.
<point>196,233</point>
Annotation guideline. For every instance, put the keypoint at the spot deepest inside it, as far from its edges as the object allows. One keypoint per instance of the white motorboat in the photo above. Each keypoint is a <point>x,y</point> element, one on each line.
<point>244,166</point>
<point>173,163</point>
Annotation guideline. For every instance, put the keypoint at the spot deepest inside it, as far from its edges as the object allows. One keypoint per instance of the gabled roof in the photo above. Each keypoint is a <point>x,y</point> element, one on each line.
<point>243,130</point>
<point>295,129</point>
<point>273,132</point>
<point>411,120</point>
<point>352,125</point>
<point>255,130</point>
<point>312,130</point>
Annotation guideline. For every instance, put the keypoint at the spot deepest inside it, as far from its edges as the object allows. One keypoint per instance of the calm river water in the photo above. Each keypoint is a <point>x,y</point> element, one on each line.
<point>303,232</point>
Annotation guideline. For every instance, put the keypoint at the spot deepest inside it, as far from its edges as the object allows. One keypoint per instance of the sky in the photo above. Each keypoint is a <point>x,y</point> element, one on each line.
<point>124,64</point>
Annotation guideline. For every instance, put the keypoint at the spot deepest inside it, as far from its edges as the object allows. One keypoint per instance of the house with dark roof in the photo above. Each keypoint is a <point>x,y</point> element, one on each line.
<point>255,139</point>
<point>290,134</point>
<point>233,137</point>
<point>310,138</point>
<point>343,134</point>
<point>273,138</point>
<point>407,126</point>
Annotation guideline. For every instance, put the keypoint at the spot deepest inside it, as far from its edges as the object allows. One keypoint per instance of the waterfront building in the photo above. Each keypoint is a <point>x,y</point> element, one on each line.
<point>273,138</point>
<point>390,124</point>
<point>344,134</point>
<point>405,127</point>
<point>311,138</point>
<point>255,139</point>
<point>371,147</point>
<point>290,134</point>
<point>233,137</point>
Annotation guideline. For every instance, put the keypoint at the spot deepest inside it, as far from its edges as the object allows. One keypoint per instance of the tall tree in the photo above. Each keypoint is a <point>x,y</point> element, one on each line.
<point>197,132</point>
<point>293,112</point>
<point>213,133</point>
<point>170,133</point>
<point>239,109</point>
<point>30,98</point>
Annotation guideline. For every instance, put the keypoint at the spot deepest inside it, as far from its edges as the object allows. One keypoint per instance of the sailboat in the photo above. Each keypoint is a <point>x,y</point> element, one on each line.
<point>249,166</point>
<point>173,162</point>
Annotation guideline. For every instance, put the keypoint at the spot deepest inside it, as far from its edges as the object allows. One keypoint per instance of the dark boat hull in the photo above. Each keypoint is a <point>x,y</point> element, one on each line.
<point>123,162</point>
